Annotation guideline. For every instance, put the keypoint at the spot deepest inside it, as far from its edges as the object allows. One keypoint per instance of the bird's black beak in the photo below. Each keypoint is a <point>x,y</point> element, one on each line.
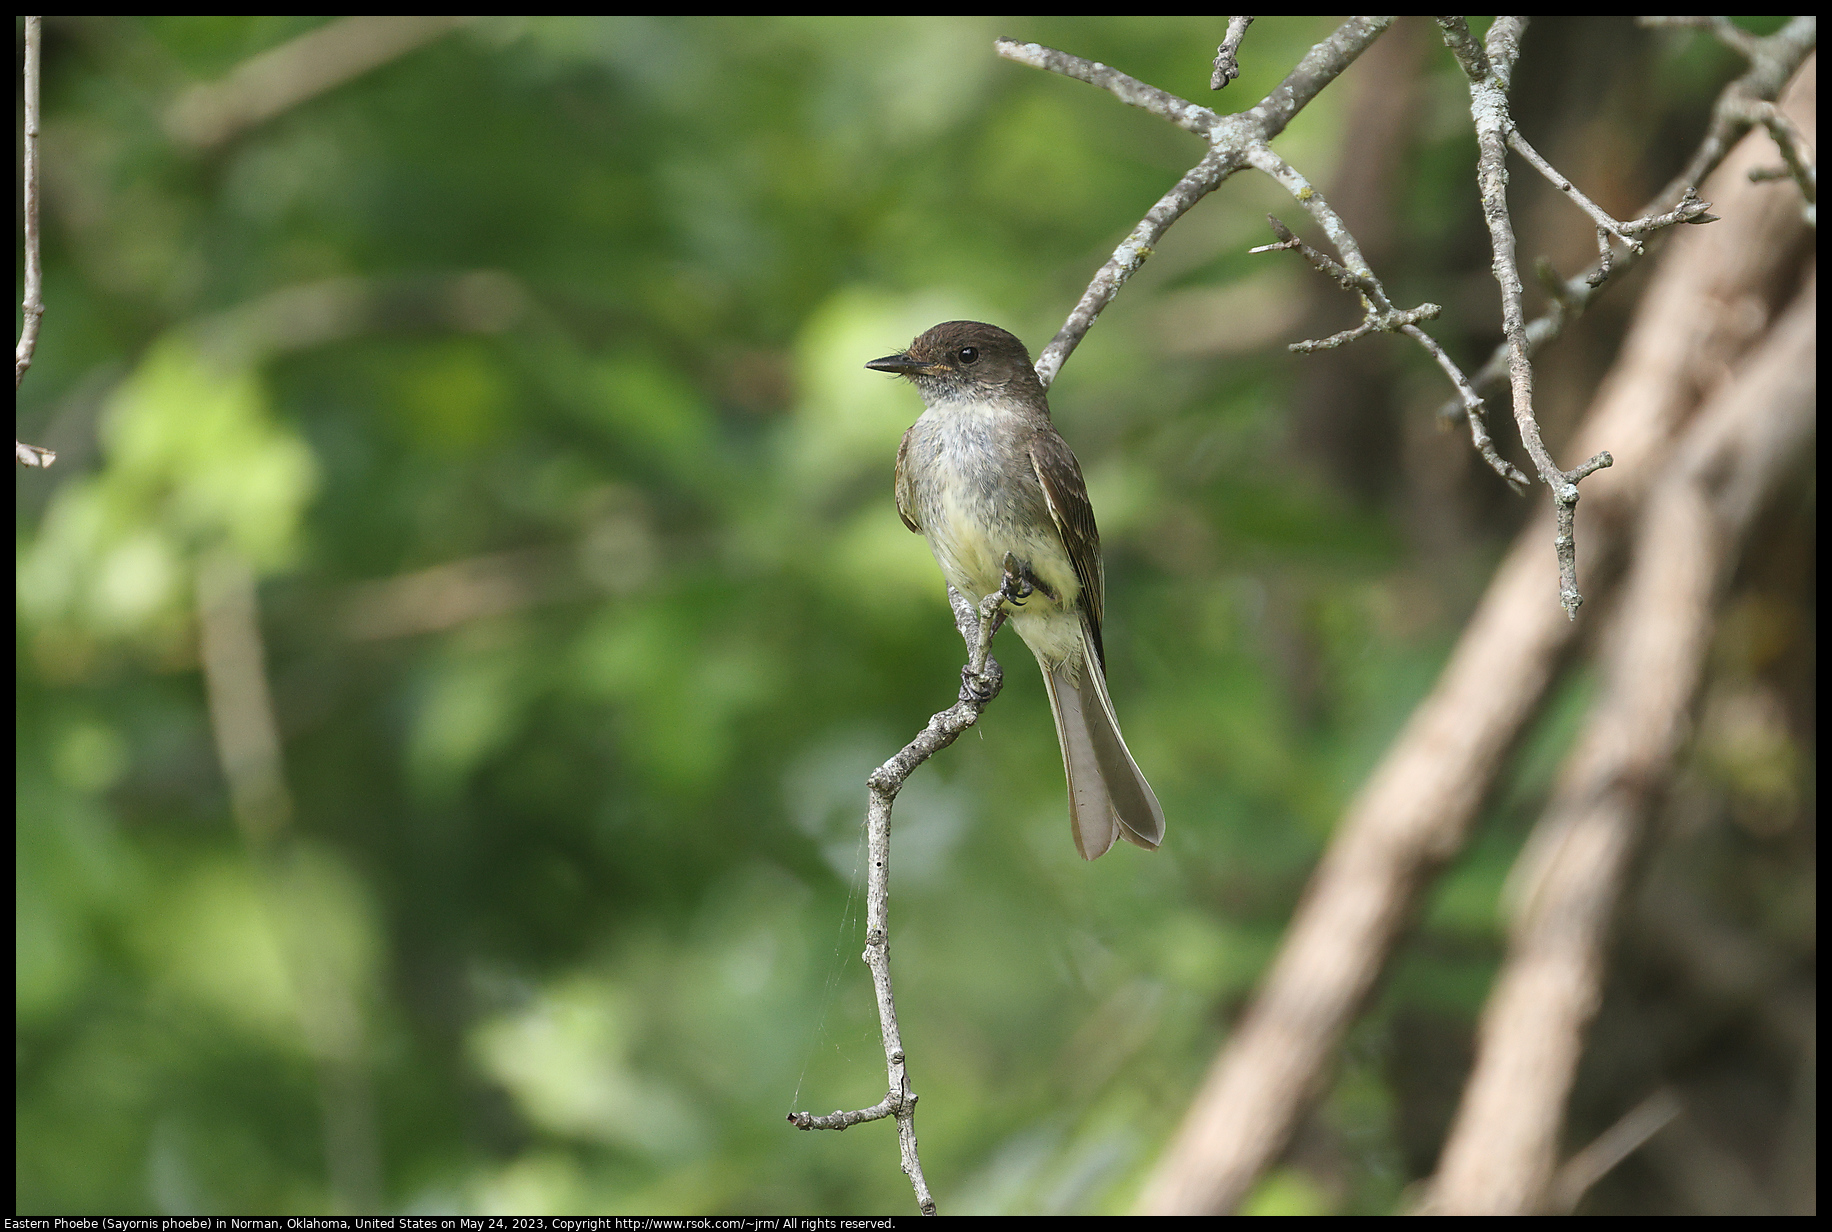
<point>902,364</point>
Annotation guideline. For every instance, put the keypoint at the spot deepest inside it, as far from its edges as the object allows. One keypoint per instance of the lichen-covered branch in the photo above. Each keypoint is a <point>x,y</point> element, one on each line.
<point>1129,90</point>
<point>32,305</point>
<point>1227,63</point>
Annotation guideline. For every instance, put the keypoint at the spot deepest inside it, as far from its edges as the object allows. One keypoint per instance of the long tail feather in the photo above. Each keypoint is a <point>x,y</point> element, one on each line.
<point>1108,795</point>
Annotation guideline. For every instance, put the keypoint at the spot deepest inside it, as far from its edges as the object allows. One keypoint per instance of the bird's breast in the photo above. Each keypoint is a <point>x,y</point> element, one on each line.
<point>979,499</point>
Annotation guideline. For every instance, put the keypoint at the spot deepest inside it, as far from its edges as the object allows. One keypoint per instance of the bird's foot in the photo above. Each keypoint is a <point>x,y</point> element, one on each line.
<point>982,686</point>
<point>1020,583</point>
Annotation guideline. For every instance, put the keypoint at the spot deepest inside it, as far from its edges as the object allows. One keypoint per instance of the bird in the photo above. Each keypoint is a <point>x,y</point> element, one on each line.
<point>986,479</point>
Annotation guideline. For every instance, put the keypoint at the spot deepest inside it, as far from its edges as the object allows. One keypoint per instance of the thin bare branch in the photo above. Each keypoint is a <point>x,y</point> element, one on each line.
<point>265,85</point>
<point>1227,63</point>
<point>1773,60</point>
<point>32,306</point>
<point>1605,221</point>
<point>1129,90</point>
<point>1230,138</point>
<point>1796,153</point>
<point>1489,110</point>
<point>981,681</point>
<point>1582,1171</point>
<point>1474,411</point>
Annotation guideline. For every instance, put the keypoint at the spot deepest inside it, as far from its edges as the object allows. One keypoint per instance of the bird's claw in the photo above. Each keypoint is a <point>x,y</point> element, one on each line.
<point>979,686</point>
<point>1018,585</point>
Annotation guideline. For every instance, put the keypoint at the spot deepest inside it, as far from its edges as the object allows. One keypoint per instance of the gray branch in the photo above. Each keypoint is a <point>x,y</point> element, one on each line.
<point>1795,153</point>
<point>1129,90</point>
<point>1381,314</point>
<point>981,681</point>
<point>1232,141</point>
<point>1772,62</point>
<point>1628,232</point>
<point>32,306</point>
<point>1489,75</point>
<point>1227,65</point>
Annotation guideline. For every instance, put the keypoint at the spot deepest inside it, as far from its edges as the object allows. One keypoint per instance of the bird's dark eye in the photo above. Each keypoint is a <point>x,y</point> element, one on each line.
<point>969,354</point>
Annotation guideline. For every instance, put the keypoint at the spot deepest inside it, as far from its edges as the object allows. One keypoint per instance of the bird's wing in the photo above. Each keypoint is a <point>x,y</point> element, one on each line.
<point>906,492</point>
<point>1067,496</point>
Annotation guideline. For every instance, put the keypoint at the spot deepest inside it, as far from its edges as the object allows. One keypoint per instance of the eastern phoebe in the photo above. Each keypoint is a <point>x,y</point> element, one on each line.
<point>984,476</point>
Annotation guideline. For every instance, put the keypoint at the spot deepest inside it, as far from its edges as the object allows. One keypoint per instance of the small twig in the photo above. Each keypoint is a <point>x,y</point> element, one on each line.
<point>1489,110</point>
<point>1794,151</point>
<point>1605,221</point>
<point>32,306</point>
<point>1263,158</point>
<point>1129,90</point>
<point>1772,62</point>
<point>981,681</point>
<point>1731,35</point>
<point>1227,66</point>
<point>265,85</point>
<point>1583,1170</point>
<point>1689,209</point>
<point>1231,139</point>
<point>1382,316</point>
<point>1474,411</point>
